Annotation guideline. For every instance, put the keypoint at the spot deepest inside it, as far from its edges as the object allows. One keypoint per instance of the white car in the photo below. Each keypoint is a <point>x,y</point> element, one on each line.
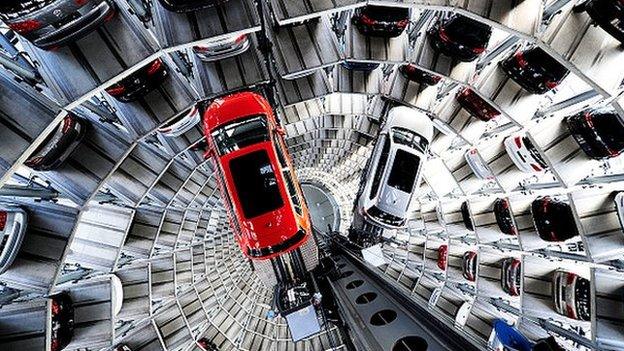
<point>13,223</point>
<point>478,165</point>
<point>524,154</point>
<point>394,172</point>
<point>117,294</point>
<point>215,50</point>
<point>182,123</point>
<point>619,205</point>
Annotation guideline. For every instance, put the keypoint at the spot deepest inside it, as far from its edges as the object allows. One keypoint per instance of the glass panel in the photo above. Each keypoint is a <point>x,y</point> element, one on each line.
<point>239,134</point>
<point>404,171</point>
<point>381,166</point>
<point>256,184</point>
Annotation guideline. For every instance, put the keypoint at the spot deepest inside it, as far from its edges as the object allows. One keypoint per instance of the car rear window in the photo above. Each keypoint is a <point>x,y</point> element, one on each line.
<point>239,134</point>
<point>549,66</point>
<point>404,171</point>
<point>14,6</point>
<point>610,129</point>
<point>386,14</point>
<point>256,184</point>
<point>468,31</point>
<point>381,167</point>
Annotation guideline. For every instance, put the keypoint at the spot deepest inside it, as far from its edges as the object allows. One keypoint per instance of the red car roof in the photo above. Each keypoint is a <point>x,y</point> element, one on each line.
<point>271,228</point>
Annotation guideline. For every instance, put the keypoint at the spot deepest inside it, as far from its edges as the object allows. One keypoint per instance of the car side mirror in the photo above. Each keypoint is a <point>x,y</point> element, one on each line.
<point>280,130</point>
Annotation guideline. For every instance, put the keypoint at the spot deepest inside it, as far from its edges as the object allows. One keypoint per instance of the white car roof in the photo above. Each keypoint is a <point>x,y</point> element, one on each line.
<point>411,119</point>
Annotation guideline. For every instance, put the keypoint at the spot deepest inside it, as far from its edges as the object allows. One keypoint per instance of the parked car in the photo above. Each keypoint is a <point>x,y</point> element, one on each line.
<point>553,219</point>
<point>619,205</point>
<point>460,37</point>
<point>59,145</point>
<point>478,166</point>
<point>359,66</point>
<point>394,172</point>
<point>117,294</point>
<point>511,276</point>
<point>257,181</point>
<point>524,154</point>
<point>534,70</point>
<point>50,24</point>
<point>599,132</point>
<point>181,123</point>
<point>207,345</point>
<point>189,5</point>
<point>476,106</point>
<point>381,21</point>
<point>469,265</point>
<point>123,347</point>
<point>466,218</point>
<point>415,74</point>
<point>215,50</point>
<point>13,224</point>
<point>608,14</point>
<point>442,257</point>
<point>509,337</point>
<point>139,83</point>
<point>571,295</point>
<point>504,217</point>
<point>62,312</point>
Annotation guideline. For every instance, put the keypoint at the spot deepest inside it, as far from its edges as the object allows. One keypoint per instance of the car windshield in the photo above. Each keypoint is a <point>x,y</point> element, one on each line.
<point>610,128</point>
<point>468,31</point>
<point>386,14</point>
<point>408,138</point>
<point>239,134</point>
<point>256,184</point>
<point>404,171</point>
<point>12,6</point>
<point>539,59</point>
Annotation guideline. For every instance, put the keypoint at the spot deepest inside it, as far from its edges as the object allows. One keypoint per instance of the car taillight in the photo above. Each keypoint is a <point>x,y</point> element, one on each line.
<point>536,168</point>
<point>478,50</point>
<point>154,67</point>
<point>522,62</point>
<point>67,124</point>
<point>3,219</point>
<point>26,26</point>
<point>443,36</point>
<point>55,344</point>
<point>240,38</point>
<point>518,141</point>
<point>81,2</point>
<point>588,119</point>
<point>403,23</point>
<point>570,311</point>
<point>56,308</point>
<point>570,278</point>
<point>367,20</point>
<point>551,84</point>
<point>116,90</point>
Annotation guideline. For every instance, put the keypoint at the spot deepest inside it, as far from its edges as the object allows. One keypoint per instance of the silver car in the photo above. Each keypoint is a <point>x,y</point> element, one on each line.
<point>182,123</point>
<point>13,223</point>
<point>220,49</point>
<point>49,24</point>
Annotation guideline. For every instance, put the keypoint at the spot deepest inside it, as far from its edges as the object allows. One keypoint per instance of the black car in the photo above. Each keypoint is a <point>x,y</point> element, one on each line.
<point>469,265</point>
<point>467,219</point>
<point>381,21</point>
<point>49,24</point>
<point>359,66</point>
<point>553,219</point>
<point>62,321</point>
<point>189,5</point>
<point>460,37</point>
<point>504,217</point>
<point>608,14</point>
<point>511,276</point>
<point>476,106</point>
<point>600,133</point>
<point>59,145</point>
<point>413,73</point>
<point>139,83</point>
<point>534,70</point>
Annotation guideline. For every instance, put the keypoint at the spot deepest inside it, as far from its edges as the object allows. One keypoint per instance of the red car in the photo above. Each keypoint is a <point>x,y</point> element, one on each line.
<point>442,257</point>
<point>257,181</point>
